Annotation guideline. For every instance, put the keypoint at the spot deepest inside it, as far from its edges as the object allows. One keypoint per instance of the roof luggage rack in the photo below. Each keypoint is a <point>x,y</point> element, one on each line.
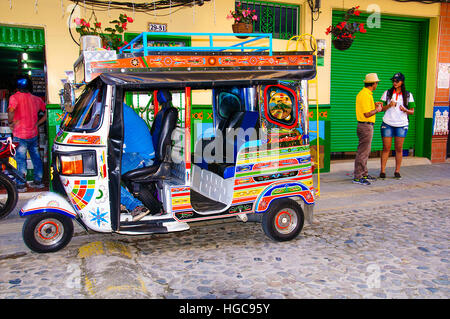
<point>256,43</point>
<point>251,59</point>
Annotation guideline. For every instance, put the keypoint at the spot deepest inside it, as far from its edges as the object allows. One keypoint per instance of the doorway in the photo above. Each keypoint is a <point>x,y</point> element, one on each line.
<point>22,52</point>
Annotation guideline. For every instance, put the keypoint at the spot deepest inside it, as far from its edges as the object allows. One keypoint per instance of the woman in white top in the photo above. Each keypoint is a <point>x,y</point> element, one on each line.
<point>398,104</point>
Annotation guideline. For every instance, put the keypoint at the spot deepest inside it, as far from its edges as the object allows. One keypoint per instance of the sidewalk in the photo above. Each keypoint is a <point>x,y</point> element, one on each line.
<point>31,192</point>
<point>338,192</point>
<point>421,180</point>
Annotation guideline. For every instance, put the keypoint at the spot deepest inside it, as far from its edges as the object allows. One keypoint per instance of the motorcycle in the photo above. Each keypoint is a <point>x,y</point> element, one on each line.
<point>8,189</point>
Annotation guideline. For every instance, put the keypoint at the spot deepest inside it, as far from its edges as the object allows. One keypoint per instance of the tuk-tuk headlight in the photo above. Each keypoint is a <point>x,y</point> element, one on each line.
<point>77,163</point>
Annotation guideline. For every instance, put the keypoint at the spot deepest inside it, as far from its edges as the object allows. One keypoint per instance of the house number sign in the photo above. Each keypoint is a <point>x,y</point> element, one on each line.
<point>157,27</point>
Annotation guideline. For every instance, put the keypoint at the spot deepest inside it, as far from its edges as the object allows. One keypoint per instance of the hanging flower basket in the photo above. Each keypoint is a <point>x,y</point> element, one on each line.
<point>111,37</point>
<point>342,44</point>
<point>343,33</point>
<point>242,28</point>
<point>243,20</point>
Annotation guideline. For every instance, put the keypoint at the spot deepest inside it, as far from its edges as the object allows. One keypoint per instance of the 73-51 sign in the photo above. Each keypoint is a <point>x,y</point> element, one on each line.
<point>157,27</point>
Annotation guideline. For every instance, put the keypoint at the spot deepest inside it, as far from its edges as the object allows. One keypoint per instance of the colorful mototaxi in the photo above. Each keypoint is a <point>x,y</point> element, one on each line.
<point>253,162</point>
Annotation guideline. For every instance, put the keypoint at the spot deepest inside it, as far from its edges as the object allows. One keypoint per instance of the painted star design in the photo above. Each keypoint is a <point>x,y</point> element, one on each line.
<point>98,217</point>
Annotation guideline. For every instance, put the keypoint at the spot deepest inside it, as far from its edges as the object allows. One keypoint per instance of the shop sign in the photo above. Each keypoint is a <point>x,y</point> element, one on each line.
<point>440,120</point>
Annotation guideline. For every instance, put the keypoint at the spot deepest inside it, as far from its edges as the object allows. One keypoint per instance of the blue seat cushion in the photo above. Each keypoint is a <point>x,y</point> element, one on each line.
<point>224,170</point>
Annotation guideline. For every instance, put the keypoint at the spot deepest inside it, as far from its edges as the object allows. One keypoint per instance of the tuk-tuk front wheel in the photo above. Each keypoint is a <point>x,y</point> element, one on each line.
<point>284,220</point>
<point>48,232</point>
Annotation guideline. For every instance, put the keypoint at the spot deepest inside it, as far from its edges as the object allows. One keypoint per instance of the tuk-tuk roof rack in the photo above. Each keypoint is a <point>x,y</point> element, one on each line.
<point>253,44</point>
<point>238,61</point>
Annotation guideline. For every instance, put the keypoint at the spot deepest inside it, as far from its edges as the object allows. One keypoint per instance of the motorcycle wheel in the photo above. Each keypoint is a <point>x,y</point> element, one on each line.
<point>284,220</point>
<point>47,232</point>
<point>8,195</point>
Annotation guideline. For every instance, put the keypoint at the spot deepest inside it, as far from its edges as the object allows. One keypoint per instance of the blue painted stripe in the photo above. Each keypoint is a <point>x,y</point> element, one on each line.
<point>23,213</point>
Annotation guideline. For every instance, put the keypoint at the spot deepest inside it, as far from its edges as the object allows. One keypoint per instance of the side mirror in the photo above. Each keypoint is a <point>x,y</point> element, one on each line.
<point>67,98</point>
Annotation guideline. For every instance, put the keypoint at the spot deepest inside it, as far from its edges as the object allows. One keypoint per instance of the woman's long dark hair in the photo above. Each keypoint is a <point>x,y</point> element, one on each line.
<point>404,93</point>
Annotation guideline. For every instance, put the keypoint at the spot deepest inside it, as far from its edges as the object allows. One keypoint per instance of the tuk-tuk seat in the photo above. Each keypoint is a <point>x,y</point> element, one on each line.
<point>225,167</point>
<point>161,130</point>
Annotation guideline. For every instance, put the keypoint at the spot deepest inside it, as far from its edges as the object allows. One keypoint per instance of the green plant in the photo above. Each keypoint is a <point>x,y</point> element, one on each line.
<point>241,15</point>
<point>112,38</point>
<point>346,29</point>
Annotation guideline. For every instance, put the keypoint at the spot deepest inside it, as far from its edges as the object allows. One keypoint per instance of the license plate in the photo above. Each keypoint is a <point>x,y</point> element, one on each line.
<point>12,162</point>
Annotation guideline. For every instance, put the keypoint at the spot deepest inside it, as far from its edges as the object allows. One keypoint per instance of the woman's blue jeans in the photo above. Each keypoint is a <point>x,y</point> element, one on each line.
<point>31,145</point>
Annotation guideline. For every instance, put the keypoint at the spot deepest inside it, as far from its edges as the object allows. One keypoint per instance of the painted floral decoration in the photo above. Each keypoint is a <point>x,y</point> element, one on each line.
<point>112,38</point>
<point>346,29</point>
<point>241,15</point>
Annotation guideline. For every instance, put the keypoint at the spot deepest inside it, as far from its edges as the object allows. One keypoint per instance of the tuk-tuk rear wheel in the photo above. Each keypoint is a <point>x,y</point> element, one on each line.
<point>284,220</point>
<point>48,232</point>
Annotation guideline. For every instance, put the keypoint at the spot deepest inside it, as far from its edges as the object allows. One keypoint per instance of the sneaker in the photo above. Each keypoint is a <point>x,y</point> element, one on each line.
<point>382,176</point>
<point>370,178</point>
<point>22,188</point>
<point>361,181</point>
<point>397,175</point>
<point>36,184</point>
<point>139,212</point>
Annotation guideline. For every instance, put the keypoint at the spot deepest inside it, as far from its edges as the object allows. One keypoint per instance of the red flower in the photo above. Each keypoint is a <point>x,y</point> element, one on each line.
<point>346,29</point>
<point>341,25</point>
<point>361,28</point>
<point>98,25</point>
<point>130,19</point>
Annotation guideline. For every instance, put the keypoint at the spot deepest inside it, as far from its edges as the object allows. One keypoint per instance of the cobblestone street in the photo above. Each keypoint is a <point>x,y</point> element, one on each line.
<point>364,244</point>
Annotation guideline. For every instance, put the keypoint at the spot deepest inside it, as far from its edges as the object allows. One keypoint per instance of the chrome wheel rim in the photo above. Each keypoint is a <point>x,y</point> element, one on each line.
<point>286,221</point>
<point>49,231</point>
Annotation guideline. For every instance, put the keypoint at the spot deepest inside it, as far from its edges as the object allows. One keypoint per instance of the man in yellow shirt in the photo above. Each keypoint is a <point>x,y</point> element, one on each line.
<point>365,115</point>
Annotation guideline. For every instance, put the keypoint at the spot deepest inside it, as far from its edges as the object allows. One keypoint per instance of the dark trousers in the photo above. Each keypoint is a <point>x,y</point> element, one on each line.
<point>365,134</point>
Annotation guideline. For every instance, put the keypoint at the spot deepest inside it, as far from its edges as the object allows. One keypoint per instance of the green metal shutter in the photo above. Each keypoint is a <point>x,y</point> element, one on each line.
<point>21,37</point>
<point>395,47</point>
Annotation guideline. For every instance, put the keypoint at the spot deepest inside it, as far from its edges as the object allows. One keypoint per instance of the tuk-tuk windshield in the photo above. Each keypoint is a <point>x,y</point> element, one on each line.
<point>87,113</point>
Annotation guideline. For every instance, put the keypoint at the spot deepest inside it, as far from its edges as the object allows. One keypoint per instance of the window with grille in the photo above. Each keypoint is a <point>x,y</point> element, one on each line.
<point>282,20</point>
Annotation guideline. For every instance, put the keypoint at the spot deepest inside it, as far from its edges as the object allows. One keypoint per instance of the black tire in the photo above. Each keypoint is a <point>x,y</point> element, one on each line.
<point>47,232</point>
<point>8,203</point>
<point>284,220</point>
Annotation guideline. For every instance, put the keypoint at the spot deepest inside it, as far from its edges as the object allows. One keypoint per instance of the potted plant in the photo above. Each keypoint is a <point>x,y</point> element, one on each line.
<point>243,20</point>
<point>343,33</point>
<point>111,37</point>
<point>89,35</point>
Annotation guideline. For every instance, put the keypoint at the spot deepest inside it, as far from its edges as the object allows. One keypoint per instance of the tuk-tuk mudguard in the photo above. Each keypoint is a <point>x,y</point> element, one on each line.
<point>49,202</point>
<point>283,190</point>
